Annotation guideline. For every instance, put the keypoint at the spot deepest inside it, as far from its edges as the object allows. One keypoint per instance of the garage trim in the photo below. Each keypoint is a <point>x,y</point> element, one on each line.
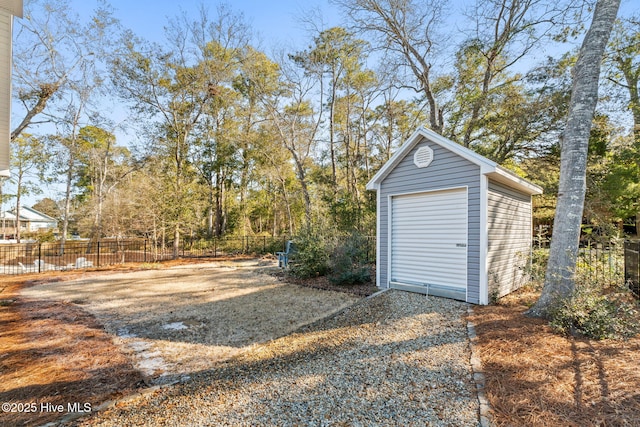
<point>484,240</point>
<point>429,288</point>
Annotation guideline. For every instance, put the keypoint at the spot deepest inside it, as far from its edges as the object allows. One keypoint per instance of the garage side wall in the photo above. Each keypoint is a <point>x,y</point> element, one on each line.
<point>446,171</point>
<point>509,239</point>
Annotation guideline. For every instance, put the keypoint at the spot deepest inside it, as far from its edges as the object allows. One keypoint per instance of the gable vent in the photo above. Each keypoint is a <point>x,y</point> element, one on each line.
<point>423,157</point>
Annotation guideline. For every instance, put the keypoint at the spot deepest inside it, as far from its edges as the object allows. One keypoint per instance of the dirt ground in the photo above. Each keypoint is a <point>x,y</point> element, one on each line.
<point>90,337</point>
<point>177,321</point>
<point>535,377</point>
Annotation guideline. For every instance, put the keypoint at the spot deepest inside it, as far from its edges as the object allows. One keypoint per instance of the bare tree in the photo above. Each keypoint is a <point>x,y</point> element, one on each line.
<point>52,48</point>
<point>560,279</point>
<point>295,123</point>
<point>505,31</point>
<point>408,31</point>
<point>181,88</point>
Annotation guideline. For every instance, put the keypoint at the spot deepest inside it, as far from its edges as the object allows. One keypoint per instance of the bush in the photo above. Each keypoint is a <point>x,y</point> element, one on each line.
<point>592,313</point>
<point>538,265</point>
<point>349,263</point>
<point>310,256</point>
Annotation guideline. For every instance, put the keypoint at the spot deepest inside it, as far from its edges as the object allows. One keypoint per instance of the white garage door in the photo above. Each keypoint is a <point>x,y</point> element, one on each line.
<point>429,243</point>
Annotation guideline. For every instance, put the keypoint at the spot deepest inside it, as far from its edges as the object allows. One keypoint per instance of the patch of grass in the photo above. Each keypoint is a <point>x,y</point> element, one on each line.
<point>150,265</point>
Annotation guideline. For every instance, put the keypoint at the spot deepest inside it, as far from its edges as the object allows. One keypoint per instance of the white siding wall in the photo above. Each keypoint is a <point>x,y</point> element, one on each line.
<point>509,245</point>
<point>5,90</point>
<point>12,6</point>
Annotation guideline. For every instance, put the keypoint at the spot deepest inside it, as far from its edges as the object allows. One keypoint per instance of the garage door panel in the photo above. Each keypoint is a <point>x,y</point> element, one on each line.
<point>437,274</point>
<point>448,258</point>
<point>417,250</point>
<point>418,199</point>
<point>439,237</point>
<point>435,277</point>
<point>429,239</point>
<point>417,210</point>
<point>440,226</point>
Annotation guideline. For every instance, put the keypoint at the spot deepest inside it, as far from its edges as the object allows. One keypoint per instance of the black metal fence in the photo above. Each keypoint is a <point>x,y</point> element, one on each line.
<point>606,262</point>
<point>39,257</point>
<point>601,262</point>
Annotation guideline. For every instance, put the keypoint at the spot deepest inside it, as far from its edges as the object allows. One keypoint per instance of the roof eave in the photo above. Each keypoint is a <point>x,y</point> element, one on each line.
<point>512,180</point>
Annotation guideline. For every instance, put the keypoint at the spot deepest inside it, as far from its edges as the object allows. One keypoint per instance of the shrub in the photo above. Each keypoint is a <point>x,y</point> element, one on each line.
<point>349,264</point>
<point>537,267</point>
<point>310,257</point>
<point>592,313</point>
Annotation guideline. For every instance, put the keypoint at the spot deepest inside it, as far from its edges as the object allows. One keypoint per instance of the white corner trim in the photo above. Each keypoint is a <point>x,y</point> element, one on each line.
<point>378,238</point>
<point>483,298</point>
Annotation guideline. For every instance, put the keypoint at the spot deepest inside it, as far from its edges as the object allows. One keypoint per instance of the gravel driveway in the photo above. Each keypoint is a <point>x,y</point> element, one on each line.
<point>395,359</point>
<point>175,321</point>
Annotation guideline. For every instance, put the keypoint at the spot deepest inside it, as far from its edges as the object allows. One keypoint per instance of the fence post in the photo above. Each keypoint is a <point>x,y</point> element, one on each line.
<point>98,260</point>
<point>39,257</point>
<point>144,254</point>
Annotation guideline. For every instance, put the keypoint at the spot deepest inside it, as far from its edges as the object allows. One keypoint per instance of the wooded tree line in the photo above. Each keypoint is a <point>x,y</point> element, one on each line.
<point>230,139</point>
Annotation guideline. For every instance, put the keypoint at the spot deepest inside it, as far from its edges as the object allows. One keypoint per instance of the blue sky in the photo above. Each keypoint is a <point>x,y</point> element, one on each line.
<point>276,22</point>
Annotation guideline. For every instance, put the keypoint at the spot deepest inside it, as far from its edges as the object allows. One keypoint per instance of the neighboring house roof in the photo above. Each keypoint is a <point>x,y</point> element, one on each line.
<point>34,215</point>
<point>9,216</point>
<point>487,167</point>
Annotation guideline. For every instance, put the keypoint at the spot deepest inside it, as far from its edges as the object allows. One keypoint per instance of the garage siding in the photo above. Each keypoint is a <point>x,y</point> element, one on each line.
<point>509,238</point>
<point>447,170</point>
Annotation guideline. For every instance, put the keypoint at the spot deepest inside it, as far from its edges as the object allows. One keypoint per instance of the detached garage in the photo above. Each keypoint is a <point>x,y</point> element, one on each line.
<point>450,222</point>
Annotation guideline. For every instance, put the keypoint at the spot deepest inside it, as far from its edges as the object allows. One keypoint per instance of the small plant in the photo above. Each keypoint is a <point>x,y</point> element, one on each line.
<point>538,265</point>
<point>592,313</point>
<point>310,257</point>
<point>349,264</point>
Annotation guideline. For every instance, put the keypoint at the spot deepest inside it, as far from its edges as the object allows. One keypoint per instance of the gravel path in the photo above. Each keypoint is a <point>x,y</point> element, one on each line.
<point>184,319</point>
<point>395,359</point>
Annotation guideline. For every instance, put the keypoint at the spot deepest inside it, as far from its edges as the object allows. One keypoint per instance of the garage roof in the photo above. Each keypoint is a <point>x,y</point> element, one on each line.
<point>487,167</point>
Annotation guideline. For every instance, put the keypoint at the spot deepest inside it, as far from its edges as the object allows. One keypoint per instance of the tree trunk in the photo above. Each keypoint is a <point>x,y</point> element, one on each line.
<point>221,220</point>
<point>210,211</point>
<point>67,204</point>
<point>560,279</point>
<point>176,241</point>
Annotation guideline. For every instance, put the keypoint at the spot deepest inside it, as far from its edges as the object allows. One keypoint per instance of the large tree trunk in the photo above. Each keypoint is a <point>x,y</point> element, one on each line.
<point>560,279</point>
